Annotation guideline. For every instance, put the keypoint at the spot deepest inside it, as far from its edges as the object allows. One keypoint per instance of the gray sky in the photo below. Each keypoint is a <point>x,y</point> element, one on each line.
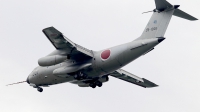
<point>97,24</point>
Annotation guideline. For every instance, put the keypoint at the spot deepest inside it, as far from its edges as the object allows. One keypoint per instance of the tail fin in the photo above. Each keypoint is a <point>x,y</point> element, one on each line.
<point>161,17</point>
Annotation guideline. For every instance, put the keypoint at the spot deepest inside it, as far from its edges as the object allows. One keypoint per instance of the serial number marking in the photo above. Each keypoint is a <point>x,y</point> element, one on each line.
<point>151,29</point>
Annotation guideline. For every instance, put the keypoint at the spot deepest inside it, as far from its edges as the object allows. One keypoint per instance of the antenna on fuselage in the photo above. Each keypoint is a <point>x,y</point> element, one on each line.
<point>155,10</point>
<point>147,12</point>
<point>150,11</point>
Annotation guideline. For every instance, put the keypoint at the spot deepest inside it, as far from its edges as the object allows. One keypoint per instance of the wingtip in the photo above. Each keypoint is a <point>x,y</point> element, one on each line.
<point>193,19</point>
<point>149,84</point>
<point>152,86</point>
<point>47,28</point>
<point>156,85</point>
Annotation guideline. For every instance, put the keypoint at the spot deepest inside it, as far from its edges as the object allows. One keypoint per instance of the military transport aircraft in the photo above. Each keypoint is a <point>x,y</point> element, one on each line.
<point>73,63</point>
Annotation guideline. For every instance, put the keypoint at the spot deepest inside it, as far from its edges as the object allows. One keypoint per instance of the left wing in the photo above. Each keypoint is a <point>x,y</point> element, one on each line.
<point>61,42</point>
<point>126,76</point>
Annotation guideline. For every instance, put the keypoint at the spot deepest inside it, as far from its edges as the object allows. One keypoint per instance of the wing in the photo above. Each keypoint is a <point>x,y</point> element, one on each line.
<point>61,42</point>
<point>126,76</point>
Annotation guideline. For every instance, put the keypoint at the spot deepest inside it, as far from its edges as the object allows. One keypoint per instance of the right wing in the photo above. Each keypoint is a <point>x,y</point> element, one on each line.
<point>126,76</point>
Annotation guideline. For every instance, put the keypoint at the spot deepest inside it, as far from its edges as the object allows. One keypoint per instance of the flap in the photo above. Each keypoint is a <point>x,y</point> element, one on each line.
<point>126,76</point>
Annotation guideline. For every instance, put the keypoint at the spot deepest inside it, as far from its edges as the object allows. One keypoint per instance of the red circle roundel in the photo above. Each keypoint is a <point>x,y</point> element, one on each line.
<point>105,54</point>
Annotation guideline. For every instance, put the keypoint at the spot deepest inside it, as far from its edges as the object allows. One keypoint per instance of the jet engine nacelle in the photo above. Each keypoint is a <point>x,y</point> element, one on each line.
<point>66,70</point>
<point>51,60</point>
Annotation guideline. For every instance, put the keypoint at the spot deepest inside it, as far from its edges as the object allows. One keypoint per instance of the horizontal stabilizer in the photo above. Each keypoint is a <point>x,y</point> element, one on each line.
<point>184,15</point>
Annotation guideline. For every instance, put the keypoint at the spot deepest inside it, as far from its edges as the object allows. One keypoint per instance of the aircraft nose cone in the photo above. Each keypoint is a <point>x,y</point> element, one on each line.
<point>27,80</point>
<point>160,39</point>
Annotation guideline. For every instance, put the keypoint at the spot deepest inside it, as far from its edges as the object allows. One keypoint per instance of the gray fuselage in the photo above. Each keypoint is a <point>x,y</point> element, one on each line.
<point>119,56</point>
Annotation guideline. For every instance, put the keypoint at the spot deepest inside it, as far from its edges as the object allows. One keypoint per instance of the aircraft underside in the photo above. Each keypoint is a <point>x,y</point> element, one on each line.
<point>75,64</point>
<point>94,71</point>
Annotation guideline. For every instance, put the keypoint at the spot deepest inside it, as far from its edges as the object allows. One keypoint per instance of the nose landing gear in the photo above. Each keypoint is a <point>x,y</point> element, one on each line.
<point>39,89</point>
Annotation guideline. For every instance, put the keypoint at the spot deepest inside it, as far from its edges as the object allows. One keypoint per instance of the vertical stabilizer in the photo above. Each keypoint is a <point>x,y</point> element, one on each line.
<point>157,25</point>
<point>160,19</point>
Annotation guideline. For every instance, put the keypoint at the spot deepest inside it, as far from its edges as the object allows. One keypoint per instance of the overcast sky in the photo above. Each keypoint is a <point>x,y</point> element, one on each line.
<point>98,24</point>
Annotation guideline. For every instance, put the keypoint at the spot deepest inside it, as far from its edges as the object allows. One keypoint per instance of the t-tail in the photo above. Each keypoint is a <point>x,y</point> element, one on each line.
<point>160,19</point>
